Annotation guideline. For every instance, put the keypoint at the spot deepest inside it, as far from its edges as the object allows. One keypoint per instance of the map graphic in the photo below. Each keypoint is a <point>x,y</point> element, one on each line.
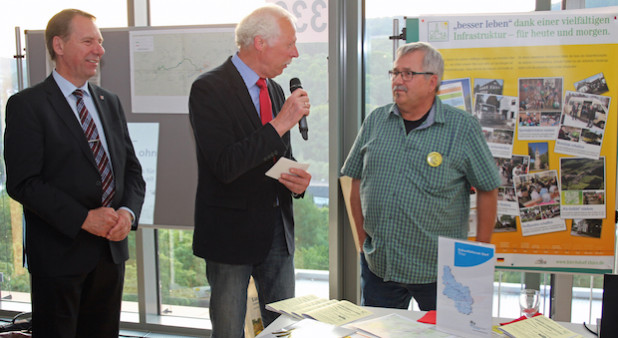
<point>164,64</point>
<point>458,292</point>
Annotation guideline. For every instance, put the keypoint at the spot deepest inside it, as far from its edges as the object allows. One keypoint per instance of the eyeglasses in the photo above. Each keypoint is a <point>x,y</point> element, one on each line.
<point>406,75</point>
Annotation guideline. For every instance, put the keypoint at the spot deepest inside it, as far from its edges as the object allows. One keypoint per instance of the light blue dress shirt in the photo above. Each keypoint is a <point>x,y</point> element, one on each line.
<point>250,78</point>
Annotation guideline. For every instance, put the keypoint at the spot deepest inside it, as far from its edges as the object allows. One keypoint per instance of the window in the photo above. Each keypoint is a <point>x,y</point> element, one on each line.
<point>182,276</point>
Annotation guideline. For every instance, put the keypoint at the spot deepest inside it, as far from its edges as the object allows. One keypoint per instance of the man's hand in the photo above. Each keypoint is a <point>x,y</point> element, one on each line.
<point>121,229</point>
<point>295,107</point>
<point>296,181</point>
<point>100,221</point>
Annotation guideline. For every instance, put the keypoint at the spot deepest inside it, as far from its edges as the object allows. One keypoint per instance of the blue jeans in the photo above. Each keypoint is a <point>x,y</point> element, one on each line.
<point>377,292</point>
<point>274,279</point>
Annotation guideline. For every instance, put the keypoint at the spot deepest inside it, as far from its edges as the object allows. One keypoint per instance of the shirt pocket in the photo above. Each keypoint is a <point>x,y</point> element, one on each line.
<point>436,178</point>
<point>441,178</point>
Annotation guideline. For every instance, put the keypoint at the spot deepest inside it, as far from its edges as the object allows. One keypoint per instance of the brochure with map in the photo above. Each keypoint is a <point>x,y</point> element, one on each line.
<point>465,287</point>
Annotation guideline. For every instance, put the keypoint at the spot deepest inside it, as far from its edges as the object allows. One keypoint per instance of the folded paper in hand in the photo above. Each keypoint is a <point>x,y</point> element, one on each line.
<point>283,166</point>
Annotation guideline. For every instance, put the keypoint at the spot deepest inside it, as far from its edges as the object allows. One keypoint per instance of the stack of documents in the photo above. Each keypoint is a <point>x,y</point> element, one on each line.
<point>335,312</point>
<point>539,326</point>
<point>395,326</point>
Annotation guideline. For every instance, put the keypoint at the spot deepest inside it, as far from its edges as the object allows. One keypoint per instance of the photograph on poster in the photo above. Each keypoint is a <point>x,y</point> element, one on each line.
<point>488,86</point>
<point>507,201</point>
<point>582,182</point>
<point>539,156</point>
<point>529,119</point>
<point>507,194</point>
<point>595,84</point>
<point>514,166</point>
<point>550,119</point>
<point>587,228</point>
<point>500,141</point>
<point>497,115</point>
<point>539,100</point>
<point>508,168</point>
<point>496,111</point>
<point>538,195</point>
<point>506,223</point>
<point>594,197</point>
<point>456,92</point>
<point>582,124</point>
<point>537,189</point>
<point>570,134</point>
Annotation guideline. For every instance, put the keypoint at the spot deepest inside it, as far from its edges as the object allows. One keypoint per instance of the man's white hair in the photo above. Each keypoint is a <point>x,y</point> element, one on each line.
<point>263,22</point>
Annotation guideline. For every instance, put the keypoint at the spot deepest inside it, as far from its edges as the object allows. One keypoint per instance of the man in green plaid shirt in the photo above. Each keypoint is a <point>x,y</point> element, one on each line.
<point>413,165</point>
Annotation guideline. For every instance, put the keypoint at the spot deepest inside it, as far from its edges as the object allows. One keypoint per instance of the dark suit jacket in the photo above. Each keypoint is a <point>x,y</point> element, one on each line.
<point>51,171</point>
<point>234,205</point>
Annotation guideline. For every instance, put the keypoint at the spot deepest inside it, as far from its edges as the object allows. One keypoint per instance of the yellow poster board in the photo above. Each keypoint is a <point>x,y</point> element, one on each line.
<point>544,87</point>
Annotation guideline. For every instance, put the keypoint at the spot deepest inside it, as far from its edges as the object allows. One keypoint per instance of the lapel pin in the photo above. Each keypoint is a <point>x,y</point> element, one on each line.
<point>101,97</point>
<point>434,159</point>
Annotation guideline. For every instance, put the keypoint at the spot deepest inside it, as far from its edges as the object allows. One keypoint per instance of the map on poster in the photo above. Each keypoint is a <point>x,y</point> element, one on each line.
<point>164,64</point>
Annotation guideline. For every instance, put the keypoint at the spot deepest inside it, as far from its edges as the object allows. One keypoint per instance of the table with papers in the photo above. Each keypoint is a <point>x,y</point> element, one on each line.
<point>464,308</point>
<point>383,313</point>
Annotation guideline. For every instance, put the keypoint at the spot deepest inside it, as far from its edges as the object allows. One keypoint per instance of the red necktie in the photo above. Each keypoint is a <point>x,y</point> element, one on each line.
<point>100,157</point>
<point>266,112</point>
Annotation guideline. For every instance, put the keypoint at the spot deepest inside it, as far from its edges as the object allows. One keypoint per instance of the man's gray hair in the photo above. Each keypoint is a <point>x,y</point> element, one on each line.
<point>263,22</point>
<point>432,61</point>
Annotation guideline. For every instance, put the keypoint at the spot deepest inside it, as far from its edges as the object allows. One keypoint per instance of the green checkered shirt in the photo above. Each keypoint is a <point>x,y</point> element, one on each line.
<point>407,203</point>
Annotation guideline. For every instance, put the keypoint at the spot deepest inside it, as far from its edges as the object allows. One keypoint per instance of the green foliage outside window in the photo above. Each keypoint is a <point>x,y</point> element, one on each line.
<point>311,234</point>
<point>12,280</point>
<point>182,276</point>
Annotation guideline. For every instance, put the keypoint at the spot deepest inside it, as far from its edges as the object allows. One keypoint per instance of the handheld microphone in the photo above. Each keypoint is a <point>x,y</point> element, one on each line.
<point>302,124</point>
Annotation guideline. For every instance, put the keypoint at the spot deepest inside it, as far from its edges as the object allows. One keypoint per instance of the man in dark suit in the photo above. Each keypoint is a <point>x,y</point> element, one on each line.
<point>71,164</point>
<point>244,224</point>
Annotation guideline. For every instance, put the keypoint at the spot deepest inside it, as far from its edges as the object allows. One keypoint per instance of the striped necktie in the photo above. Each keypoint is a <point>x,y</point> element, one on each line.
<point>100,157</point>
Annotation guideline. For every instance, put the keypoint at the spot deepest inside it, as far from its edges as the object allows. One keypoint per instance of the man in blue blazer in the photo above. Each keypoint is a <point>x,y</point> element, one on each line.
<point>76,221</point>
<point>244,224</point>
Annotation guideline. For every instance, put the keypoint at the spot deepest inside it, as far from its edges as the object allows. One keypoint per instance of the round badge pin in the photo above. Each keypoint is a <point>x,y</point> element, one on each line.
<point>434,159</point>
